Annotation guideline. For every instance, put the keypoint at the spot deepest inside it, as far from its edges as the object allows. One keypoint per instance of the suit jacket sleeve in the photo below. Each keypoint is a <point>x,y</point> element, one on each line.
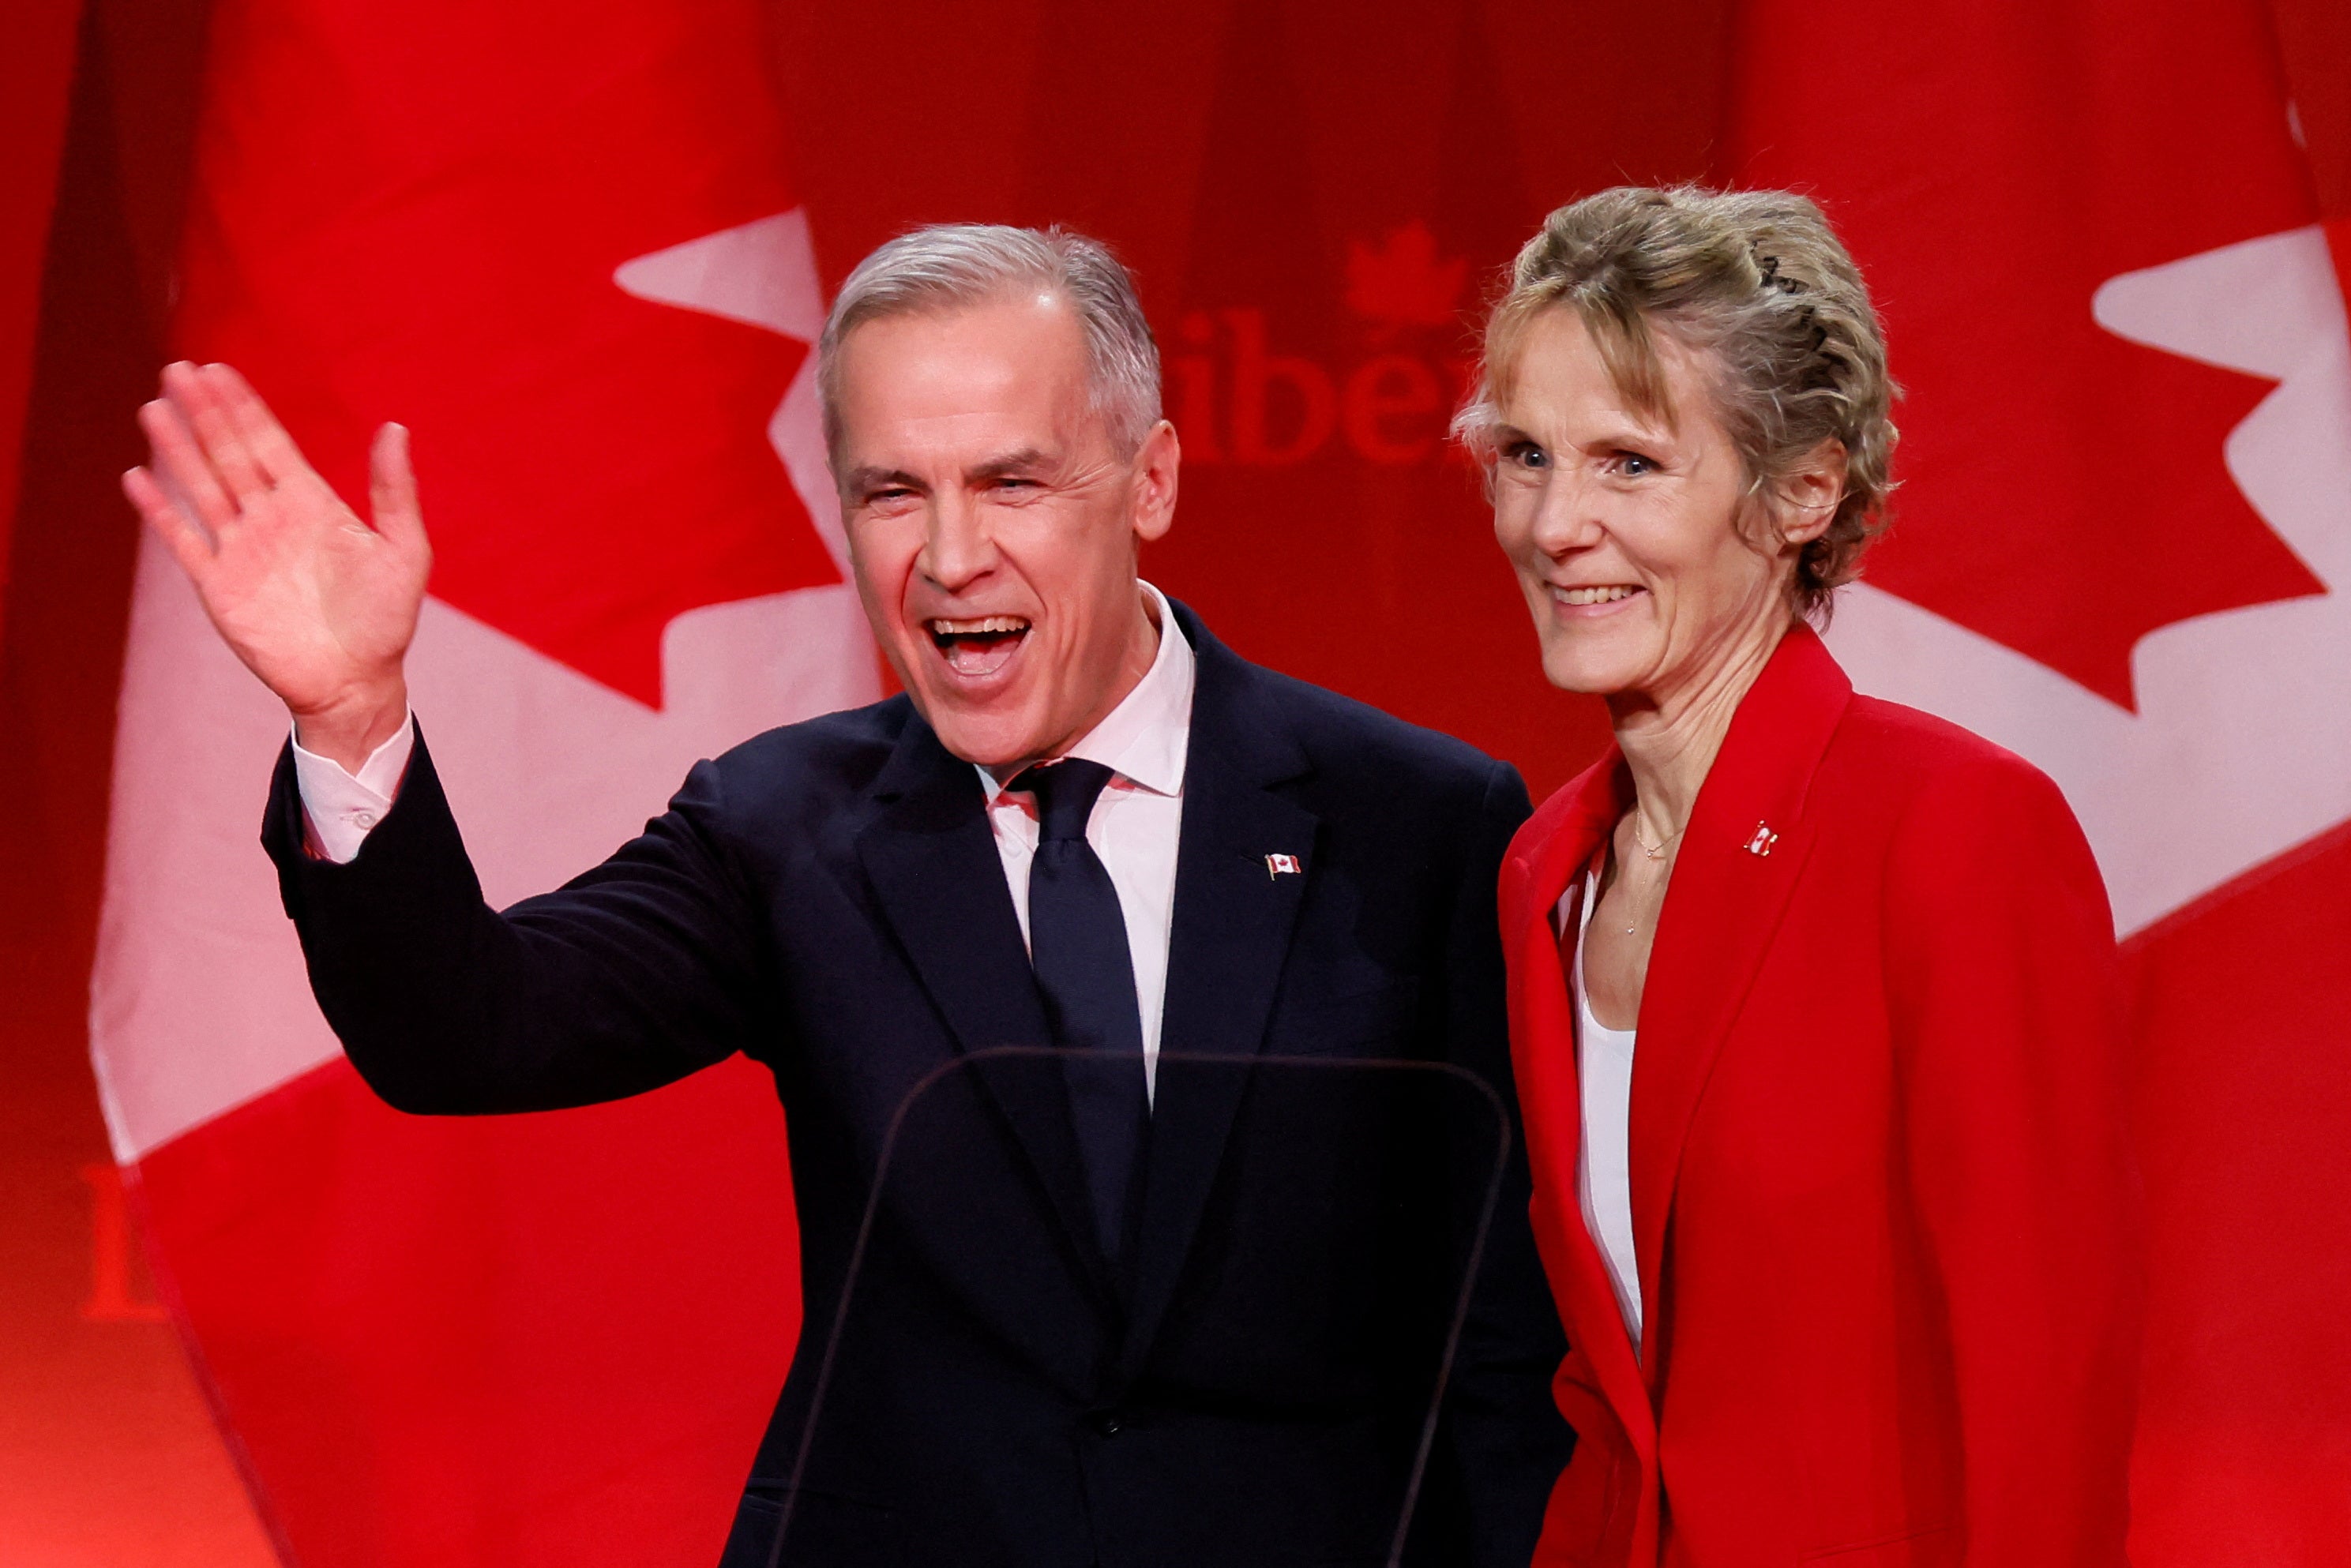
<point>1503,1432</point>
<point>2011,1042</point>
<point>637,972</point>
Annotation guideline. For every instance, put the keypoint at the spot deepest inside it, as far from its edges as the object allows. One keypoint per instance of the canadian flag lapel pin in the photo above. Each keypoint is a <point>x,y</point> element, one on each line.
<point>1280,866</point>
<point>1761,845</point>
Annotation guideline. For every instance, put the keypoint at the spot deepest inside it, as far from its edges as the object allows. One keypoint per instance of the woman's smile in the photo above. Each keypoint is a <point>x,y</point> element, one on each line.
<point>1592,602</point>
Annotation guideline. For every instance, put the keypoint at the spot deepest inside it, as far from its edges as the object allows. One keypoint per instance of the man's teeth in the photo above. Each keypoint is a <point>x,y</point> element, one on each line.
<point>986,625</point>
<point>979,646</point>
<point>1608,595</point>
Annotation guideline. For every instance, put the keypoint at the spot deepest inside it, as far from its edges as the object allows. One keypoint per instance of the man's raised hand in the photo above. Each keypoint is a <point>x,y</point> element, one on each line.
<point>315,602</point>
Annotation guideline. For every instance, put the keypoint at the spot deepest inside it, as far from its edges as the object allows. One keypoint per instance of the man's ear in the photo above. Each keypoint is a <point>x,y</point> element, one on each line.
<point>1156,466</point>
<point>1805,499</point>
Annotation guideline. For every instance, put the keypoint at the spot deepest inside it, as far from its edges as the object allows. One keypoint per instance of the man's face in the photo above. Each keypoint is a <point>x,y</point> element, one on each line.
<point>993,527</point>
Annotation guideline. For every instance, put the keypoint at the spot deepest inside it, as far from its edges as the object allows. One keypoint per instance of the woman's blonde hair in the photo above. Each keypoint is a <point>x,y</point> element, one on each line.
<point>1759,285</point>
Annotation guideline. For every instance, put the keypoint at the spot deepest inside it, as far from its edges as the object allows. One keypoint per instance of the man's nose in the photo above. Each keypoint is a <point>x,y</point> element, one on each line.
<point>956,548</point>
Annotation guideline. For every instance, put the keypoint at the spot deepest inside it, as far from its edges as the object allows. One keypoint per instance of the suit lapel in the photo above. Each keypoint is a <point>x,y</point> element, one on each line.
<point>934,866</point>
<point>1231,930</point>
<point>1549,857</point>
<point>1742,856</point>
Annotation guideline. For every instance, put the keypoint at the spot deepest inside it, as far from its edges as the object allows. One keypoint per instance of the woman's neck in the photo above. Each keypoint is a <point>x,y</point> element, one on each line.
<point>1670,739</point>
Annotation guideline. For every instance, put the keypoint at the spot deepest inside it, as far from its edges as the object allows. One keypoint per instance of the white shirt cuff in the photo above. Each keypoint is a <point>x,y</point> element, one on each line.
<point>343,807</point>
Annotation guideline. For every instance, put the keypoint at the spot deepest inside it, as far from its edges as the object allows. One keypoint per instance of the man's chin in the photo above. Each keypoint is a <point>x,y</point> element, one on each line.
<point>989,736</point>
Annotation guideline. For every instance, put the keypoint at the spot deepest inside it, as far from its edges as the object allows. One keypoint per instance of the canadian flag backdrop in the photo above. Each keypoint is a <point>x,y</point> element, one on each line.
<point>2124,552</point>
<point>562,244</point>
<point>582,251</point>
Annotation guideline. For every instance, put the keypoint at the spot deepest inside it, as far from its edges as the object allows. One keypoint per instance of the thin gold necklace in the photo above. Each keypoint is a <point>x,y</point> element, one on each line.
<point>1656,850</point>
<point>1649,851</point>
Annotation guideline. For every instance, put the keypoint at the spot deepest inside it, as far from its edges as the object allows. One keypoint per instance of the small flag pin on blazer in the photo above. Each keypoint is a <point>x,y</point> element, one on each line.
<point>1761,845</point>
<point>1278,866</point>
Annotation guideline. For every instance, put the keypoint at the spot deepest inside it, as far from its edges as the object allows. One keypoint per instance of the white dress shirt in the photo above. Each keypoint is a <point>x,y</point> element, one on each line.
<point>344,807</point>
<point>1135,826</point>
<point>1136,822</point>
<point>1603,1165</point>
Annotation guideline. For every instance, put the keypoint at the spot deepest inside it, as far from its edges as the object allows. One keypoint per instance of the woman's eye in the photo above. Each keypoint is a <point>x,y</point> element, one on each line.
<point>1634,464</point>
<point>1526,454</point>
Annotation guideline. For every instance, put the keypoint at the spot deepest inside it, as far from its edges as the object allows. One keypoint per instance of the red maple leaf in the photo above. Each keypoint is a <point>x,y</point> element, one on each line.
<point>2065,490</point>
<point>442,253</point>
<point>1400,281</point>
<point>2103,513</point>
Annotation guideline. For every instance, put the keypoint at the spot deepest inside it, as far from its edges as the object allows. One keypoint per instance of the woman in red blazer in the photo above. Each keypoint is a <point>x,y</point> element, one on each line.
<point>1815,1001</point>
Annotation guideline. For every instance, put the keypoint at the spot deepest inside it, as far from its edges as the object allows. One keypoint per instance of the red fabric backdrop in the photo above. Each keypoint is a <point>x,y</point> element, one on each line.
<point>1313,196</point>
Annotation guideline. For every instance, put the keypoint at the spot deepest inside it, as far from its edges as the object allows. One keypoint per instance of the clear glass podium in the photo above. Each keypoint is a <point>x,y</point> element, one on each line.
<point>1259,1376</point>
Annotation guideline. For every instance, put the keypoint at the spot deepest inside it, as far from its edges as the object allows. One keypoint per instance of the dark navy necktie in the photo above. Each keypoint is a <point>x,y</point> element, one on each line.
<point>1076,943</point>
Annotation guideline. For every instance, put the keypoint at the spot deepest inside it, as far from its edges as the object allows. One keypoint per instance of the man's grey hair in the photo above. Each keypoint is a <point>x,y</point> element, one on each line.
<point>947,267</point>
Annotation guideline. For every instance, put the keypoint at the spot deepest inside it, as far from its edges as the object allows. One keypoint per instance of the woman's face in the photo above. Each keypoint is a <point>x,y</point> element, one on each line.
<point>1621,526</point>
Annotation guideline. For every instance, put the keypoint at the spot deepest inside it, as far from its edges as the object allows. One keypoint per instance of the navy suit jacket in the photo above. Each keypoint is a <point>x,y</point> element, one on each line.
<point>1250,1389</point>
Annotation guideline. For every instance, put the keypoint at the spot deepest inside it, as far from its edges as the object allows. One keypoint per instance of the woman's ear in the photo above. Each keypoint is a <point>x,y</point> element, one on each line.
<point>1809,493</point>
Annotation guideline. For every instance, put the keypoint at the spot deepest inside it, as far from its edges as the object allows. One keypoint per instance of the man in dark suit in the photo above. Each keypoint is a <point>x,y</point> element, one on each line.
<point>1136,1011</point>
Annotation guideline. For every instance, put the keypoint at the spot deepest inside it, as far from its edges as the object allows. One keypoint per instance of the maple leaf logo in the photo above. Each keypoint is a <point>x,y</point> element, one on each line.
<point>2239,746</point>
<point>198,999</point>
<point>1400,282</point>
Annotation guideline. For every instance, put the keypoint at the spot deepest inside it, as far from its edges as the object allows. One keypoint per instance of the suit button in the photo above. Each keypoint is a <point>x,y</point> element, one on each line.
<point>1108,1425</point>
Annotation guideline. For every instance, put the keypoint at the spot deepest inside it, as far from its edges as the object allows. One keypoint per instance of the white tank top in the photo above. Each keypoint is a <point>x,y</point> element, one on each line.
<point>1603,1071</point>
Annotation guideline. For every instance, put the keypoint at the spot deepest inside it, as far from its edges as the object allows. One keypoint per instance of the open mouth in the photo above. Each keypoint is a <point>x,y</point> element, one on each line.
<point>978,647</point>
<point>1604,593</point>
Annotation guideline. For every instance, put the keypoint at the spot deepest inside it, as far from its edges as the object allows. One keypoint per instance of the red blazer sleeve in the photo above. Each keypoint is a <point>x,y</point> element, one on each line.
<point>2011,1043</point>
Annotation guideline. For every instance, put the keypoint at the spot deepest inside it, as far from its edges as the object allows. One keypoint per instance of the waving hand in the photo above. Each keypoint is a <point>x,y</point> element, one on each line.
<point>318,603</point>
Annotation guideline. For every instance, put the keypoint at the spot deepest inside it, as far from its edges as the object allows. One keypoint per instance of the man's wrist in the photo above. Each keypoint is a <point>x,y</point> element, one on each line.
<point>347,732</point>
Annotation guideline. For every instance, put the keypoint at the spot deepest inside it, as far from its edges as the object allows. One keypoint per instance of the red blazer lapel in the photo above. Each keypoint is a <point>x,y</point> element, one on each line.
<point>1551,849</point>
<point>1745,846</point>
